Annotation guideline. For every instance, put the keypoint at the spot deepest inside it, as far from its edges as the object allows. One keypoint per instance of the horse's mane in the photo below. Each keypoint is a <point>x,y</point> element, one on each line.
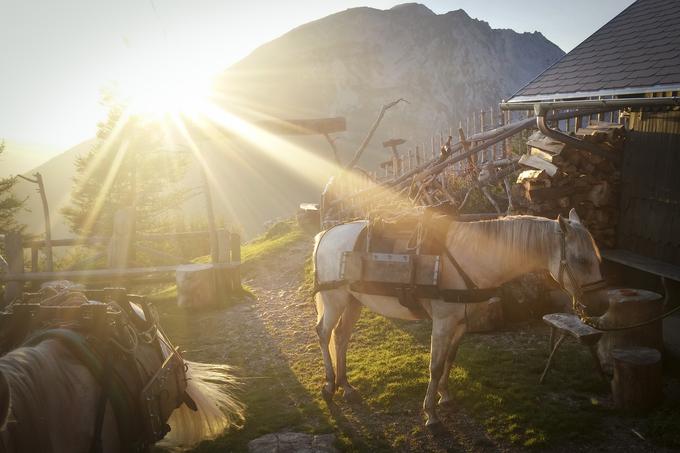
<point>517,238</point>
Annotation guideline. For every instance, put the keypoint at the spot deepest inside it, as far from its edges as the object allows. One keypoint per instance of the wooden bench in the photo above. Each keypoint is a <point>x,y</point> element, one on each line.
<point>563,324</point>
<point>643,263</point>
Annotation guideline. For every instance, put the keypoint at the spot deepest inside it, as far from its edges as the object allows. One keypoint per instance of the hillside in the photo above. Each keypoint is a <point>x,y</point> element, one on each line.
<point>20,157</point>
<point>57,176</point>
<point>347,64</point>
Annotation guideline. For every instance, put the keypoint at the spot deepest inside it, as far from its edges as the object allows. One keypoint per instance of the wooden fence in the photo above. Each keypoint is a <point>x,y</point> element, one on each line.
<point>18,270</point>
<point>489,143</point>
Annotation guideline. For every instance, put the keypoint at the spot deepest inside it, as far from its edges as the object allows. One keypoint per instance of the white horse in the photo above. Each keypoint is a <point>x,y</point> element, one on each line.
<point>489,252</point>
<point>49,401</point>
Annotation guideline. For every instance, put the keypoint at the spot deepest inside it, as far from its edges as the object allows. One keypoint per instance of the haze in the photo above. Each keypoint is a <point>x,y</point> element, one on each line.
<point>58,55</point>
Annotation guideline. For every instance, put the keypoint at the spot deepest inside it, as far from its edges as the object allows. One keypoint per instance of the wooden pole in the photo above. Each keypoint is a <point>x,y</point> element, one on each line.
<point>121,238</point>
<point>48,224</point>
<point>482,155</point>
<point>212,226</point>
<point>492,121</point>
<point>236,258</point>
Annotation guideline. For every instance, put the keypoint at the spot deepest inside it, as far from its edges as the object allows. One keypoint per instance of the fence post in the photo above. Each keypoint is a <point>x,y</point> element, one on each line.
<point>236,258</point>
<point>121,239</point>
<point>34,258</point>
<point>15,262</point>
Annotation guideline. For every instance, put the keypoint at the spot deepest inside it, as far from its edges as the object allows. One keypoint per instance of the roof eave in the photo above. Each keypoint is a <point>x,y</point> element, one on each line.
<point>598,93</point>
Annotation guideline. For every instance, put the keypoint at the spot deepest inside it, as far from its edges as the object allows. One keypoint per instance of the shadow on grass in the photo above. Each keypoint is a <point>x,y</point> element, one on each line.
<point>280,394</point>
<point>494,380</point>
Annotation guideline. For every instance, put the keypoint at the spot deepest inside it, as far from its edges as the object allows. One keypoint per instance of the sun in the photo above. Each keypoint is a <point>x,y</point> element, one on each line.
<point>157,90</point>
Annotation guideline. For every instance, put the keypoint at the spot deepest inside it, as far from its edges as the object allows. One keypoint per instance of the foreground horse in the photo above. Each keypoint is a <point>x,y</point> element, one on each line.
<point>50,400</point>
<point>489,252</point>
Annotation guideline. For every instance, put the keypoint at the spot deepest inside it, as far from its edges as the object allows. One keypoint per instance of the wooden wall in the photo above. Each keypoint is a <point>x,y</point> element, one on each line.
<point>650,191</point>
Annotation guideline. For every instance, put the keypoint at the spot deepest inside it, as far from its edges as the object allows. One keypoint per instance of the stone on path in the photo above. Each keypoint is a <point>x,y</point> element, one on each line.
<point>293,443</point>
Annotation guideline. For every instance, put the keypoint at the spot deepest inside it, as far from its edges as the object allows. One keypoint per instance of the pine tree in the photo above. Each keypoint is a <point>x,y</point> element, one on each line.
<point>9,203</point>
<point>129,167</point>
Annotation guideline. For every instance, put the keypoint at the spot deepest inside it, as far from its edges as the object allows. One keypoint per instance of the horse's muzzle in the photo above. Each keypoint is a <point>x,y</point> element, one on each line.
<point>596,302</point>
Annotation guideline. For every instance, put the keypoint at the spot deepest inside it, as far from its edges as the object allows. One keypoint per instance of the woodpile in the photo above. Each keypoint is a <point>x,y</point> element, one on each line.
<point>579,179</point>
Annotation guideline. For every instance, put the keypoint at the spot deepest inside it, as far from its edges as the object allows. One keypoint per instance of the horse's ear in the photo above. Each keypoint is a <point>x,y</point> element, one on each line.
<point>5,401</point>
<point>573,216</point>
<point>564,223</point>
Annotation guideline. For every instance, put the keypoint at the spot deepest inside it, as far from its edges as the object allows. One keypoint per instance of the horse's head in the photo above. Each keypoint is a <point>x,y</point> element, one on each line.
<point>576,264</point>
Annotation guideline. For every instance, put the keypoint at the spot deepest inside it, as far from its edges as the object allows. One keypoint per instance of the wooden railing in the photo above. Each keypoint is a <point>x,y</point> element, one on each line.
<point>16,273</point>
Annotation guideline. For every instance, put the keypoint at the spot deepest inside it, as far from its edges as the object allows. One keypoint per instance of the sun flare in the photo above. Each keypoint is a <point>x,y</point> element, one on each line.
<point>159,90</point>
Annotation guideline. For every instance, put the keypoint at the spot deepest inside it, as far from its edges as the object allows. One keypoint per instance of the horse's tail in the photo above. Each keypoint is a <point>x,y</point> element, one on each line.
<point>212,387</point>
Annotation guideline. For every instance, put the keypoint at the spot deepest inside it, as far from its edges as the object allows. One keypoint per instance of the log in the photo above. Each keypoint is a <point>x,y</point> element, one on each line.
<point>628,307</point>
<point>196,285</point>
<point>638,380</point>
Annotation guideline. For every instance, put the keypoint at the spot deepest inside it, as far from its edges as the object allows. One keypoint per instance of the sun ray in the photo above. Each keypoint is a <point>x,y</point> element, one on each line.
<point>111,175</point>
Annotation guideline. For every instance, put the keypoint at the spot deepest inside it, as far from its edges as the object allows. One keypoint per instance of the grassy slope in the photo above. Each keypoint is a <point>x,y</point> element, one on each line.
<point>494,381</point>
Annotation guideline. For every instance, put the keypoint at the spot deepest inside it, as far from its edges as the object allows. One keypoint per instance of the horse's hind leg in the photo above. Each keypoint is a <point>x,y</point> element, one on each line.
<point>444,395</point>
<point>442,333</point>
<point>330,306</point>
<point>343,332</point>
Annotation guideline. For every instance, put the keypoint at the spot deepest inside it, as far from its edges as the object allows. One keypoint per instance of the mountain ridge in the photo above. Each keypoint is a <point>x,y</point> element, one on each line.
<point>349,64</point>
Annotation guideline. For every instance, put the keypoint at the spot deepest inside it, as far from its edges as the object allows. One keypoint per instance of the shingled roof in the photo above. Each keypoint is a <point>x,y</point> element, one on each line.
<point>638,51</point>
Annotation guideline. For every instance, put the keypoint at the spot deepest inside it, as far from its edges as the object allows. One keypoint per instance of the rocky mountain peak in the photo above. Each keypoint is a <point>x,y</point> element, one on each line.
<point>412,8</point>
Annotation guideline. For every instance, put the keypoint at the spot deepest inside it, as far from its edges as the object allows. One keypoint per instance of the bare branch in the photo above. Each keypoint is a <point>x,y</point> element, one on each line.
<point>369,136</point>
<point>34,181</point>
<point>331,141</point>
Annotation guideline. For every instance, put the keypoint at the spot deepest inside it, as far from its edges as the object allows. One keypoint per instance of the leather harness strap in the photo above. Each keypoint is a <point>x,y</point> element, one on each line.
<point>460,296</point>
<point>408,294</point>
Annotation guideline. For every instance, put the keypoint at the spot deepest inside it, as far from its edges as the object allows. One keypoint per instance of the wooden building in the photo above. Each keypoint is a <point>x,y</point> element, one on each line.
<point>636,55</point>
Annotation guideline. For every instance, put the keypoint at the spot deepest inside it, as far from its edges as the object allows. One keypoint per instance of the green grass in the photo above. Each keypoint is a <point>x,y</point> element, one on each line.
<point>269,244</point>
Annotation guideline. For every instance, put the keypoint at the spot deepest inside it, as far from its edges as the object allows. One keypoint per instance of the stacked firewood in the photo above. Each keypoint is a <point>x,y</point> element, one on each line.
<point>563,177</point>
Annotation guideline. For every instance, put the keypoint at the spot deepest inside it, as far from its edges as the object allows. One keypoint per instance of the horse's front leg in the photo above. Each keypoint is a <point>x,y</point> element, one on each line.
<point>444,395</point>
<point>343,332</point>
<point>329,306</point>
<point>442,333</point>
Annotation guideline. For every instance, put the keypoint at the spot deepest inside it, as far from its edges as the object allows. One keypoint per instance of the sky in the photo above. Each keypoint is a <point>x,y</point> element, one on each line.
<point>55,56</point>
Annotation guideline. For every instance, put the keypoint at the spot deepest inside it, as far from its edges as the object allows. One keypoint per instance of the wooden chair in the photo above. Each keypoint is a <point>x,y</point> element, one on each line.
<point>563,324</point>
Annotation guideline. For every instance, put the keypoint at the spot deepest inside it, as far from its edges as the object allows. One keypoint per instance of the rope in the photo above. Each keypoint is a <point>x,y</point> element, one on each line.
<point>589,320</point>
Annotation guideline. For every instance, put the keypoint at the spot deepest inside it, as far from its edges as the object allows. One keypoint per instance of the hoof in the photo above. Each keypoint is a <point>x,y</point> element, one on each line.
<point>352,396</point>
<point>434,425</point>
<point>327,394</point>
<point>446,402</point>
<point>436,428</point>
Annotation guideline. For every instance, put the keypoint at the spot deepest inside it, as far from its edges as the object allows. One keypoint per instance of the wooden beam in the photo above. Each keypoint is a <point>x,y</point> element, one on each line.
<point>391,143</point>
<point>315,126</point>
<point>157,273</point>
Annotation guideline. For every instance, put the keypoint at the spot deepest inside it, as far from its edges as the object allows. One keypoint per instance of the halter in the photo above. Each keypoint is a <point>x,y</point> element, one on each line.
<point>579,290</point>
